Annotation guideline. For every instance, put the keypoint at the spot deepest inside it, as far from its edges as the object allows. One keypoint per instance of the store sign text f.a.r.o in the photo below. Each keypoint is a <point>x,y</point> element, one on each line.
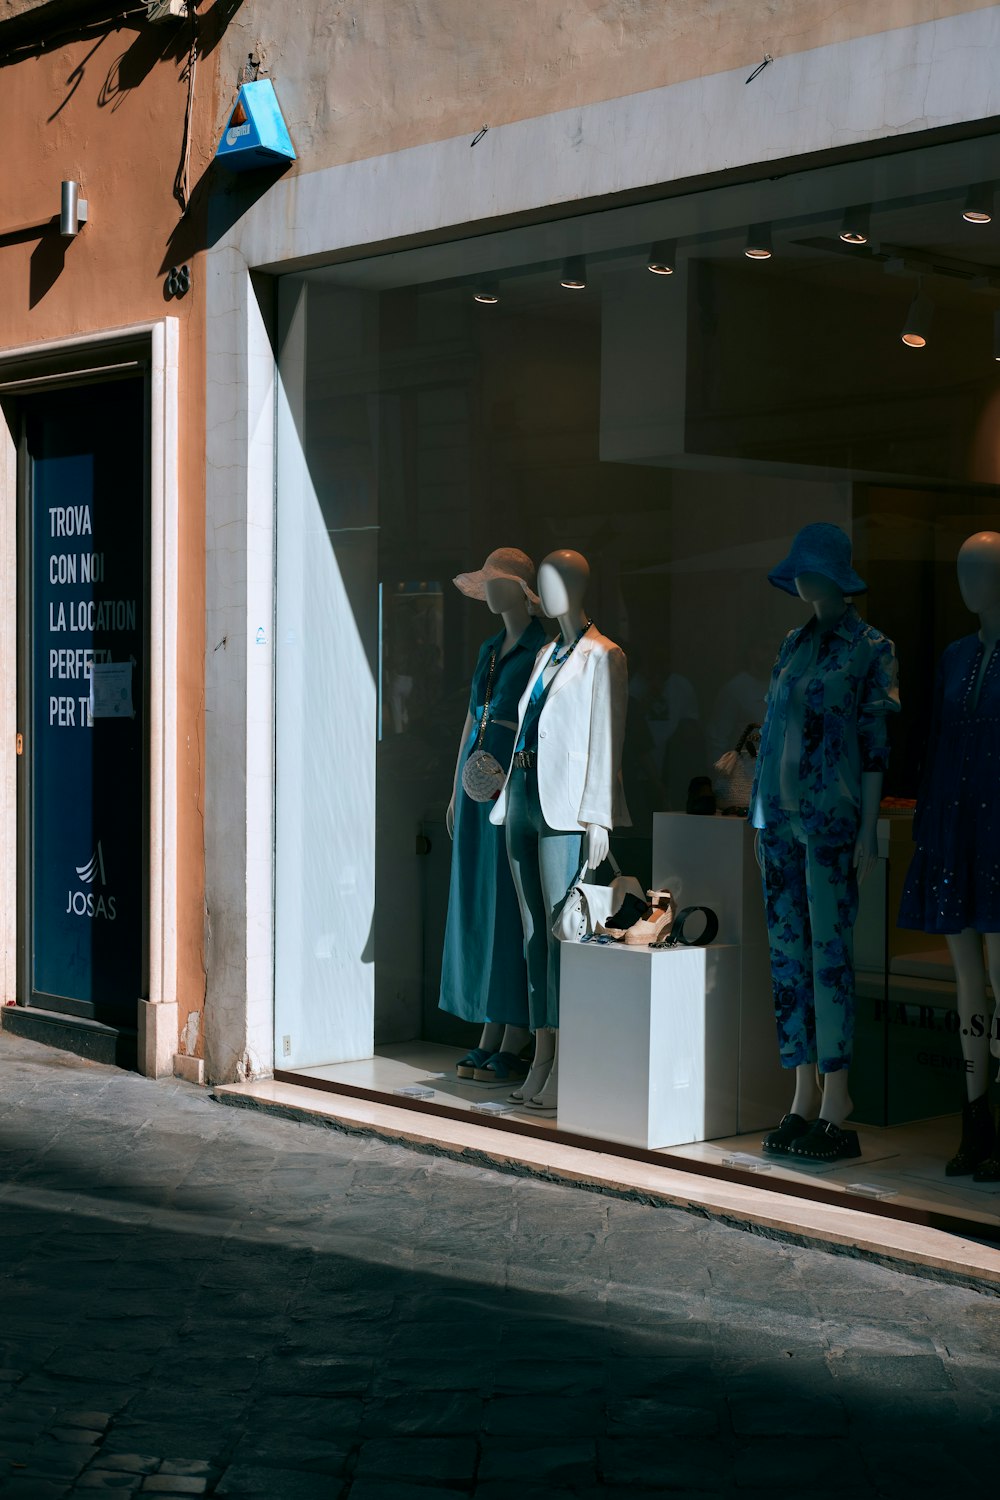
<point>256,134</point>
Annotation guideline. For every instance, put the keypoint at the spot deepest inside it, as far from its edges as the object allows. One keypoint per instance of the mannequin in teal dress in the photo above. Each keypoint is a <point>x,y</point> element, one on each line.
<point>483,973</point>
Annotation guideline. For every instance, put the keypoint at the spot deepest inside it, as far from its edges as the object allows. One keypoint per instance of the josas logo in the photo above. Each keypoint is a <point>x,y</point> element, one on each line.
<point>92,903</point>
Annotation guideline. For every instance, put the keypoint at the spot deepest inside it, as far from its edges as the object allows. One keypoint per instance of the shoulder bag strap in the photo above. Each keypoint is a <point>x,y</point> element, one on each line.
<point>486,702</point>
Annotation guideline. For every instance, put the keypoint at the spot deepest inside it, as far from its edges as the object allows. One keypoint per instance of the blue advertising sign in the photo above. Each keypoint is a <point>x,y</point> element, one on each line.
<point>87,672</point>
<point>256,134</point>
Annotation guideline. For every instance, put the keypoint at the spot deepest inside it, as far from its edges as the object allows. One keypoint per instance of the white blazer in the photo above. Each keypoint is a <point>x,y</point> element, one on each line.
<point>581,730</point>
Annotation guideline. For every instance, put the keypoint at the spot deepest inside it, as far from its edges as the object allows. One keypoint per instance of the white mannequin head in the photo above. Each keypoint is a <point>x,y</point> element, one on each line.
<point>504,595</point>
<point>562,584</point>
<point>826,597</point>
<point>979,572</point>
<point>814,588</point>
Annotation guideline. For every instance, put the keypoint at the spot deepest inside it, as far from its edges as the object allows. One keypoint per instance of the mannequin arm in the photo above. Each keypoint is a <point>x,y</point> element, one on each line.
<point>866,846</point>
<point>449,816</point>
<point>598,844</point>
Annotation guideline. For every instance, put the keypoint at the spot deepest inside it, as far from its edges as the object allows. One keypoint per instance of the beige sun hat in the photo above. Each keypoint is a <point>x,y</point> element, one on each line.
<point>504,562</point>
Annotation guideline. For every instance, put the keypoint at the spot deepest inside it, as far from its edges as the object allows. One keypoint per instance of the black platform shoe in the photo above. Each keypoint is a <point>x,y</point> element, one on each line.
<point>978,1143</point>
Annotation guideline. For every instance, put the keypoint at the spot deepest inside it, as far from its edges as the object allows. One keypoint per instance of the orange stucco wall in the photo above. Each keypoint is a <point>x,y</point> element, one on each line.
<point>357,80</point>
<point>107,108</point>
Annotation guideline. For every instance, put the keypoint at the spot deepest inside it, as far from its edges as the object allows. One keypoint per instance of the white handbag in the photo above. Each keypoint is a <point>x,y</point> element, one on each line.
<point>586,904</point>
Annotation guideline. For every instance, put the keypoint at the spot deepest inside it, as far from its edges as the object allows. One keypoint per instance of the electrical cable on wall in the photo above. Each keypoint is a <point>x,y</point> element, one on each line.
<point>182,180</point>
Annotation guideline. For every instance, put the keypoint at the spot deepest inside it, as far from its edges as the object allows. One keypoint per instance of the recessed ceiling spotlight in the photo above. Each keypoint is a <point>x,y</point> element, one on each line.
<point>758,246</point>
<point>574,274</point>
<point>979,204</point>
<point>663,257</point>
<point>487,291</point>
<point>856,226</point>
<point>918,320</point>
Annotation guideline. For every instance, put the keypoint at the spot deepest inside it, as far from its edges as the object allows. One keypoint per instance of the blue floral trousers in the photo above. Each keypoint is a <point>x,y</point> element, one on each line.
<point>811,896</point>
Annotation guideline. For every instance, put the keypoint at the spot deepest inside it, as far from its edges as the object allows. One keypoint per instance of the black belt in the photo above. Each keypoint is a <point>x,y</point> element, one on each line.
<point>675,937</point>
<point>525,760</point>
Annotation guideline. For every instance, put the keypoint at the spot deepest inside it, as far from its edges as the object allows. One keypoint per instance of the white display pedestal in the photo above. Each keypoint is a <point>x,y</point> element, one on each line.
<point>713,858</point>
<point>648,1043</point>
<point>661,1049</point>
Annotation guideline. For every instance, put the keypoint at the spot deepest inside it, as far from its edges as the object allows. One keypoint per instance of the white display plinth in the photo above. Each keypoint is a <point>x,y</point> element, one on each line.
<point>648,1043</point>
<point>713,862</point>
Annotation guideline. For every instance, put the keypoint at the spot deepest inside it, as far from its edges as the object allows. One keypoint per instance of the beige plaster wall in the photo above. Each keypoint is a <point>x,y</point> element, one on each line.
<point>108,109</point>
<point>363,78</point>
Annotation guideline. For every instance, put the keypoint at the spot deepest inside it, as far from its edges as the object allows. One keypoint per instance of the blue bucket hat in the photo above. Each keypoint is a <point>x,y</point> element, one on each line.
<point>821,548</point>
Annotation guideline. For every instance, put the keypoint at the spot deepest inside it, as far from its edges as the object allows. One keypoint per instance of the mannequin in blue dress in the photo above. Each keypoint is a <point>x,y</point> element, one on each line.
<point>483,971</point>
<point>953,883</point>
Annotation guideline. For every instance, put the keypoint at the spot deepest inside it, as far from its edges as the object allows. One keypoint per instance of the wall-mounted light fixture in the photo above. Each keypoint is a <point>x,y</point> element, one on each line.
<point>487,291</point>
<point>979,204</point>
<point>574,274</point>
<point>855,227</point>
<point>917,326</point>
<point>663,258</point>
<point>758,246</point>
<point>72,210</point>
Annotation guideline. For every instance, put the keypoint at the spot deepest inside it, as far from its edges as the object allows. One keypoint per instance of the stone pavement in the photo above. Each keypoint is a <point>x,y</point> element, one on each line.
<point>201,1300</point>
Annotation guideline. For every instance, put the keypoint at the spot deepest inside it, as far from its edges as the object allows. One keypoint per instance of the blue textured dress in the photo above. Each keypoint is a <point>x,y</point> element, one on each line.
<point>954,877</point>
<point>483,974</point>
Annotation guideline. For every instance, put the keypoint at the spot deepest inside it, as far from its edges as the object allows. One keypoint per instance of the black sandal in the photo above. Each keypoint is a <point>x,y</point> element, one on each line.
<point>778,1142</point>
<point>824,1141</point>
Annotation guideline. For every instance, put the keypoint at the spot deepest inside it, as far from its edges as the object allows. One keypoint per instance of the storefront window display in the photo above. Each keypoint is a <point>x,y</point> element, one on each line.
<point>531,489</point>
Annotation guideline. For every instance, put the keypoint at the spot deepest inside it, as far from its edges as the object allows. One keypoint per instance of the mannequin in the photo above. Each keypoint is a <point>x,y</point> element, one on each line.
<point>816,795</point>
<point>953,883</point>
<point>563,792</point>
<point>483,973</point>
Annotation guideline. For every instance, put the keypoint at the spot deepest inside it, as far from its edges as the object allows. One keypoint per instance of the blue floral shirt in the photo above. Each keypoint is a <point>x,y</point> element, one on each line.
<point>850,686</point>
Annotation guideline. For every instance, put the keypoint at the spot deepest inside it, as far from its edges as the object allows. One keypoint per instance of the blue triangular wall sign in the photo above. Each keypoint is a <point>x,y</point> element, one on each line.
<point>256,134</point>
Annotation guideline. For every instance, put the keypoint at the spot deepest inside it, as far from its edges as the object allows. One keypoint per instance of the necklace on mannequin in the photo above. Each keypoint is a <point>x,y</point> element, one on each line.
<point>561,653</point>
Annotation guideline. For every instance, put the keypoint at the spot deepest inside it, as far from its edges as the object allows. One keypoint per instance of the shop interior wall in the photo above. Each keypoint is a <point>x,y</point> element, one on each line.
<point>106,107</point>
<point>359,80</point>
<point>471,427</point>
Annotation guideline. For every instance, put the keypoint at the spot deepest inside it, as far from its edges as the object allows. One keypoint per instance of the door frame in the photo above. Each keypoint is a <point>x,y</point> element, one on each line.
<point>60,364</point>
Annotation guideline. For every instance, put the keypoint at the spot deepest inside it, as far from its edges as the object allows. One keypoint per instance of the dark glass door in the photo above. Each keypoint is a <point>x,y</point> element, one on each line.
<point>83,700</point>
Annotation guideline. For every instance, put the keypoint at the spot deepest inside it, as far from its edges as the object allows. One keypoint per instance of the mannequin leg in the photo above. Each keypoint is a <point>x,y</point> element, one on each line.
<point>541,1065</point>
<point>966,949</point>
<point>560,856</point>
<point>524,855</point>
<point>837,1102</point>
<point>806,1099</point>
<point>514,1038</point>
<point>783,871</point>
<point>978,1143</point>
<point>833,910</point>
<point>545,1098</point>
<point>491,1037</point>
<point>988,1169</point>
<point>993,963</point>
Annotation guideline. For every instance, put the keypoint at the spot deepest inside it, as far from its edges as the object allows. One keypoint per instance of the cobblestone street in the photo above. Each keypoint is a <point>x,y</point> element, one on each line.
<point>204,1300</point>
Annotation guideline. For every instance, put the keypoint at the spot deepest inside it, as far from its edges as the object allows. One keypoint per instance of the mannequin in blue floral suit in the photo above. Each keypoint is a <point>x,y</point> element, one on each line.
<point>824,748</point>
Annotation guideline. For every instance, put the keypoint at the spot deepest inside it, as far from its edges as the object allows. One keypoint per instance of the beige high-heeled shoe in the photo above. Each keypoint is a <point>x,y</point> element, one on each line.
<point>655,922</point>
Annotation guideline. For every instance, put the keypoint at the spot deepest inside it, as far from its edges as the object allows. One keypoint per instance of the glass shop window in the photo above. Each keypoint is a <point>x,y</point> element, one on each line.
<point>672,390</point>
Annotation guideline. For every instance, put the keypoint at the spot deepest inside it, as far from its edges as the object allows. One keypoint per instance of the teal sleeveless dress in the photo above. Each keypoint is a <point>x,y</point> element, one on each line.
<point>483,974</point>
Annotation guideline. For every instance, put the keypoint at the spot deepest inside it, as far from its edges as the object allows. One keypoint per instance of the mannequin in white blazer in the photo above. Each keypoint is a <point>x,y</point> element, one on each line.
<point>581,732</point>
<point>560,809</point>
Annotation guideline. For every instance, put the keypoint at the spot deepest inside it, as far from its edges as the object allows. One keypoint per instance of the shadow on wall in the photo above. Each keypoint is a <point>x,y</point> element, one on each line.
<point>217,202</point>
<point>151,45</point>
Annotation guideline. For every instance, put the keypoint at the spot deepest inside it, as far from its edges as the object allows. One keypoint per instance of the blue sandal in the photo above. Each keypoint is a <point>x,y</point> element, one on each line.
<point>476,1057</point>
<point>502,1067</point>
